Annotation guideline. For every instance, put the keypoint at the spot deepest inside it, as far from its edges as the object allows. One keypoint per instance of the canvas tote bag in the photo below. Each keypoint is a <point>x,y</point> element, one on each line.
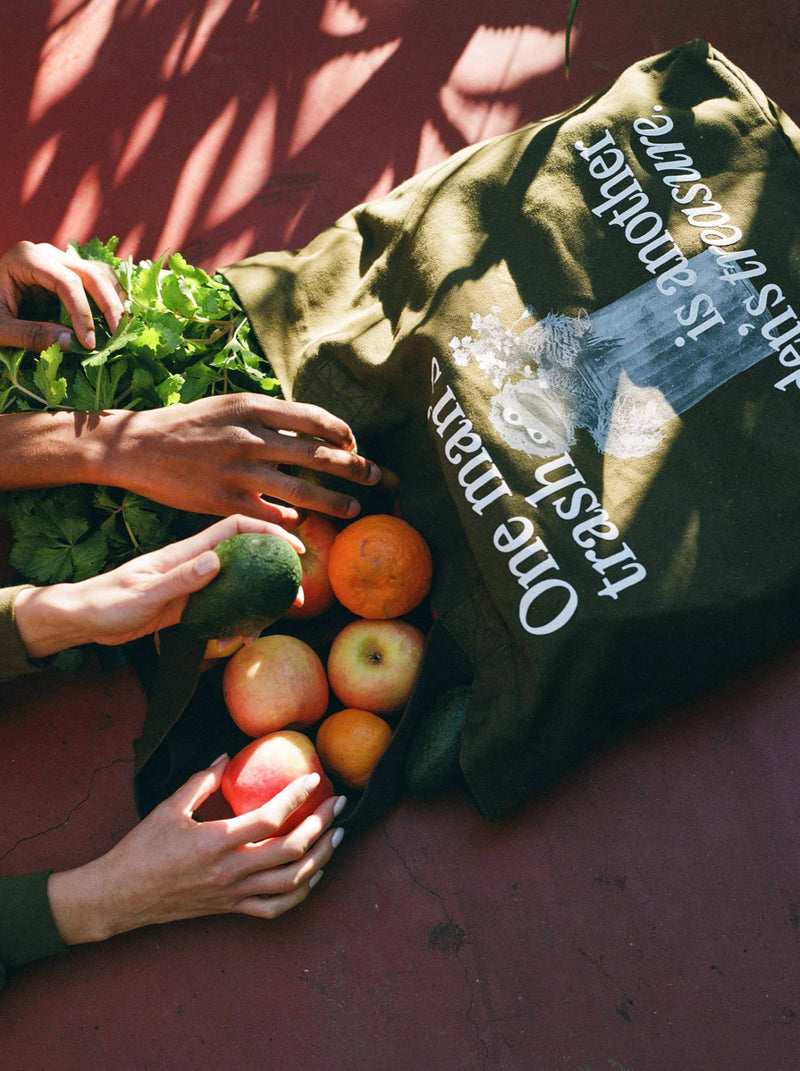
<point>578,345</point>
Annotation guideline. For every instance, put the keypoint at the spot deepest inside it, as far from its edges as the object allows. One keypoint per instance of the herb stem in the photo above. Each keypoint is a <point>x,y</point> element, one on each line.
<point>36,397</point>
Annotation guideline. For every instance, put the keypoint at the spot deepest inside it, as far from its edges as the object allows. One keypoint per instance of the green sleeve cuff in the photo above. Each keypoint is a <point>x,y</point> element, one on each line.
<point>27,929</point>
<point>14,661</point>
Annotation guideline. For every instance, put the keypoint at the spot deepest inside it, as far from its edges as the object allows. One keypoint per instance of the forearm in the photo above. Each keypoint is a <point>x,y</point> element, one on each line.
<point>55,448</point>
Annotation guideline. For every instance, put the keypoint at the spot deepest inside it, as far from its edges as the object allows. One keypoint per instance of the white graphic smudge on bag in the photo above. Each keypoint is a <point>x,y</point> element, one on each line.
<point>622,373</point>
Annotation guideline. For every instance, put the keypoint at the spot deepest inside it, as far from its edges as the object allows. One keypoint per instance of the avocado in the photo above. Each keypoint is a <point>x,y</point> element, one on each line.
<point>431,762</point>
<point>257,582</point>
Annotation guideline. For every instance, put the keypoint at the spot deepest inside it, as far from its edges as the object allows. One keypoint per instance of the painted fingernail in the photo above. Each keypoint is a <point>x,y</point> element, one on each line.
<point>311,781</point>
<point>340,805</point>
<point>314,879</point>
<point>336,839</point>
<point>206,563</point>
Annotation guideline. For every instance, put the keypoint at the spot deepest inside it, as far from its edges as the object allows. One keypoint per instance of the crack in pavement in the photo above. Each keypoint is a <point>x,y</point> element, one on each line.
<point>72,810</point>
<point>447,936</point>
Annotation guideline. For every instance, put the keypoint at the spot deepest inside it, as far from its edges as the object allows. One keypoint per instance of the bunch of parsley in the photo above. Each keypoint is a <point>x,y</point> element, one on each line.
<point>183,337</point>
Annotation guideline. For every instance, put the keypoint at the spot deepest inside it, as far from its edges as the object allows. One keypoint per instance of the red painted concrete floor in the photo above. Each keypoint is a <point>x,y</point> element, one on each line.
<point>645,915</point>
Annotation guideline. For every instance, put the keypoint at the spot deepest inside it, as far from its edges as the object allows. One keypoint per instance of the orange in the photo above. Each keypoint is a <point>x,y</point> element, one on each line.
<point>223,647</point>
<point>220,648</point>
<point>350,742</point>
<point>380,566</point>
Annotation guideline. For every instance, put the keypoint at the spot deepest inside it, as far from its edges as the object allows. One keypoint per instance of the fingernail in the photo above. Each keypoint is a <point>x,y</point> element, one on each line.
<point>374,473</point>
<point>311,781</point>
<point>206,563</point>
<point>65,340</point>
<point>353,508</point>
<point>91,340</point>
<point>314,879</point>
<point>219,759</point>
<point>339,806</point>
<point>336,839</point>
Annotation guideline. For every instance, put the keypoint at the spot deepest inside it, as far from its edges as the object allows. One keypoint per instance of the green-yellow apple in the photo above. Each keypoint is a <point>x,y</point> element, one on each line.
<point>274,682</point>
<point>374,664</point>
<point>317,534</point>
<point>266,766</point>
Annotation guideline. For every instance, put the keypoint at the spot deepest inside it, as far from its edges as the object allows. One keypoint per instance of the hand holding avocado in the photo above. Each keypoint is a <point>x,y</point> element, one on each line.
<point>258,580</point>
<point>144,595</point>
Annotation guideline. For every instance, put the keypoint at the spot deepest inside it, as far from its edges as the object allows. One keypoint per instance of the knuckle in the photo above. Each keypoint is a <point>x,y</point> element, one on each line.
<point>34,337</point>
<point>295,849</point>
<point>217,878</point>
<point>294,877</point>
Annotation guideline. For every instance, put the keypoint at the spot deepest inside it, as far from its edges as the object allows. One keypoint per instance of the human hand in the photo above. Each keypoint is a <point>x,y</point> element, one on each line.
<point>172,867</point>
<point>220,455</point>
<point>143,595</point>
<point>29,268</point>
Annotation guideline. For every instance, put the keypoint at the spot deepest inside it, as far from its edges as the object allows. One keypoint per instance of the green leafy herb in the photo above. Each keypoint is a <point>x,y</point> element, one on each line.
<point>183,337</point>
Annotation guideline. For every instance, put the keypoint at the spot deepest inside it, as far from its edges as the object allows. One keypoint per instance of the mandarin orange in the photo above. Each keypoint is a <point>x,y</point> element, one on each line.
<point>350,743</point>
<point>380,566</point>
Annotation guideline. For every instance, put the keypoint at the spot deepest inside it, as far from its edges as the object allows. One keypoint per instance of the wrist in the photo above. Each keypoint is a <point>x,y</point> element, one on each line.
<point>99,439</point>
<point>50,619</point>
<point>79,906</point>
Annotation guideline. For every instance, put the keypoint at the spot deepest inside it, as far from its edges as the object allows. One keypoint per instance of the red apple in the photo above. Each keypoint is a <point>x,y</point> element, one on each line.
<point>317,533</point>
<point>374,664</point>
<point>274,682</point>
<point>265,767</point>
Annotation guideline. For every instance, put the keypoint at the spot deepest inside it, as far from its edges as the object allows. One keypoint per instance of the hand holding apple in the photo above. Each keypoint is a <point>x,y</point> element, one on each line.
<point>171,867</point>
<point>266,766</point>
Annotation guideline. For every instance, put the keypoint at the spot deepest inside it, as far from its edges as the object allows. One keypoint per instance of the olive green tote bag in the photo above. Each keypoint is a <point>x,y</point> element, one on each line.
<point>578,345</point>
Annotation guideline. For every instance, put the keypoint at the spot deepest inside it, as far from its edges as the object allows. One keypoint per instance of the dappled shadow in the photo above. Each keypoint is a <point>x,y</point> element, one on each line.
<point>227,127</point>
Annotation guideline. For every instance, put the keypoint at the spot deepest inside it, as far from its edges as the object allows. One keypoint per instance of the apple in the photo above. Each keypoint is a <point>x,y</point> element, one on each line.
<point>317,533</point>
<point>274,682</point>
<point>374,664</point>
<point>266,766</point>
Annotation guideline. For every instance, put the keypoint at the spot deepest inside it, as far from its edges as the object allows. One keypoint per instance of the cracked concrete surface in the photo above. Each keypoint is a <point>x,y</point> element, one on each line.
<point>630,919</point>
<point>71,812</point>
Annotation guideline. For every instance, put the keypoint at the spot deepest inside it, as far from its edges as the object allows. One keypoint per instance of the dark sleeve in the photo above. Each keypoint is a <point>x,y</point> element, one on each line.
<point>13,656</point>
<point>27,929</point>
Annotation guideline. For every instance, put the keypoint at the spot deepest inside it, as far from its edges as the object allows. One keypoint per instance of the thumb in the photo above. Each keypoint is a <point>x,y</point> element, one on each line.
<point>32,335</point>
<point>199,787</point>
<point>191,575</point>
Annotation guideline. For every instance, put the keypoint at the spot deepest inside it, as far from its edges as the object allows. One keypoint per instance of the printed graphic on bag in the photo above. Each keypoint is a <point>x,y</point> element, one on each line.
<point>622,372</point>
